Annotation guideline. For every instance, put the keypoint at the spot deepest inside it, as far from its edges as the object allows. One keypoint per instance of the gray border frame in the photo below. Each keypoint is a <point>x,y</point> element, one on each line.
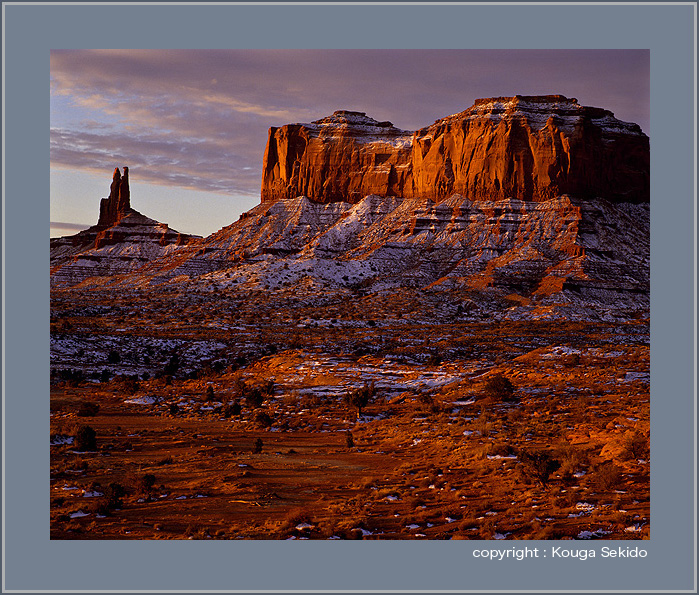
<point>31,562</point>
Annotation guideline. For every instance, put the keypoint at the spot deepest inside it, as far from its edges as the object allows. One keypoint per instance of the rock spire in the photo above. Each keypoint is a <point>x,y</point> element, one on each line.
<point>118,204</point>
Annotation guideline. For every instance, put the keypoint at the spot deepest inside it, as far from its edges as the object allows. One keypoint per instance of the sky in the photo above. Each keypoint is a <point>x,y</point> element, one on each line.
<point>191,125</point>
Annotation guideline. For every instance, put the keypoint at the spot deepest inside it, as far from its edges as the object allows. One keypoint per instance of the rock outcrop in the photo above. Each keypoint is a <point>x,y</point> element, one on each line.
<point>123,240</point>
<point>521,148</point>
<point>118,204</point>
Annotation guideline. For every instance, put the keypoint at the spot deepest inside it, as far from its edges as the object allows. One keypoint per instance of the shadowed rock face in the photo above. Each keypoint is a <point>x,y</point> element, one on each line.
<point>118,204</point>
<point>524,148</point>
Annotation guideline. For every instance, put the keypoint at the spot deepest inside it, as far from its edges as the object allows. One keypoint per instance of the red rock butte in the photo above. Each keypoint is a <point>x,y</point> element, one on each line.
<point>530,148</point>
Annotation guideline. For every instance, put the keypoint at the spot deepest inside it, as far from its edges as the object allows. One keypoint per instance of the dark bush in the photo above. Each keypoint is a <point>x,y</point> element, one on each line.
<point>253,396</point>
<point>607,477</point>
<point>499,388</point>
<point>636,447</point>
<point>113,357</point>
<point>113,495</point>
<point>146,484</point>
<point>572,459</point>
<point>232,409</point>
<point>71,377</point>
<point>105,376</point>
<point>360,397</point>
<point>209,395</point>
<point>85,439</point>
<point>263,419</point>
<point>257,449</point>
<point>172,366</point>
<point>538,465</point>
<point>500,450</point>
<point>88,409</point>
<point>174,408</point>
<point>267,388</point>
<point>435,359</point>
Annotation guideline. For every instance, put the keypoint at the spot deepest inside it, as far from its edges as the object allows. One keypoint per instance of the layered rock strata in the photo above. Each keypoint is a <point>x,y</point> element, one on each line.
<point>521,147</point>
<point>559,252</point>
<point>341,158</point>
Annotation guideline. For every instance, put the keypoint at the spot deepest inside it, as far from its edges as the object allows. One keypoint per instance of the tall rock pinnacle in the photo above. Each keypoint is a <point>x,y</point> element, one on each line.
<point>118,204</point>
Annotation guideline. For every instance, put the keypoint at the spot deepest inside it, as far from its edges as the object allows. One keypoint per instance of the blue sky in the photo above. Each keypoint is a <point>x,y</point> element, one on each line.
<point>191,125</point>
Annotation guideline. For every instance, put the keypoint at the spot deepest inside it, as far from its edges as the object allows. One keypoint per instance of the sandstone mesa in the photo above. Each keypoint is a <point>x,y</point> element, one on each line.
<point>521,147</point>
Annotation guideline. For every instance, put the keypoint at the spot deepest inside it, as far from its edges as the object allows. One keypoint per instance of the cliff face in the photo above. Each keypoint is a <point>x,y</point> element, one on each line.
<point>341,158</point>
<point>524,148</point>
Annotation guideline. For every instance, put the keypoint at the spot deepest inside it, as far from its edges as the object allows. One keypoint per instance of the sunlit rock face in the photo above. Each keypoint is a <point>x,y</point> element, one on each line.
<point>341,158</point>
<point>521,147</point>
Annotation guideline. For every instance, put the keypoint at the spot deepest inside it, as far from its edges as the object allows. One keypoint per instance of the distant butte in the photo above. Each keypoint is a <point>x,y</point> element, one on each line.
<point>530,148</point>
<point>122,240</point>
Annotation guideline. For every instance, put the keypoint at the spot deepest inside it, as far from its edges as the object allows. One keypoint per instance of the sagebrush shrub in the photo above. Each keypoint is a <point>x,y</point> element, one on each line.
<point>636,447</point>
<point>209,394</point>
<point>499,388</point>
<point>147,482</point>
<point>85,439</point>
<point>360,397</point>
<point>263,419</point>
<point>607,476</point>
<point>538,465</point>
<point>232,409</point>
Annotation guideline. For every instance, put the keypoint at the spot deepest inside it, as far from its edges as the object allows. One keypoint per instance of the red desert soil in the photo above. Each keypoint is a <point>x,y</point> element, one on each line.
<point>436,453</point>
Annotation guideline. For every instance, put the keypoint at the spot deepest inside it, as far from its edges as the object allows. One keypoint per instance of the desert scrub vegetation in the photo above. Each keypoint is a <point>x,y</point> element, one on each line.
<point>499,388</point>
<point>201,448</point>
<point>636,446</point>
<point>360,397</point>
<point>607,476</point>
<point>85,439</point>
<point>573,459</point>
<point>537,465</point>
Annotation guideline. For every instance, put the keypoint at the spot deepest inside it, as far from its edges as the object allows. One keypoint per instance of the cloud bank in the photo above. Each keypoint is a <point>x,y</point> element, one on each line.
<point>199,119</point>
